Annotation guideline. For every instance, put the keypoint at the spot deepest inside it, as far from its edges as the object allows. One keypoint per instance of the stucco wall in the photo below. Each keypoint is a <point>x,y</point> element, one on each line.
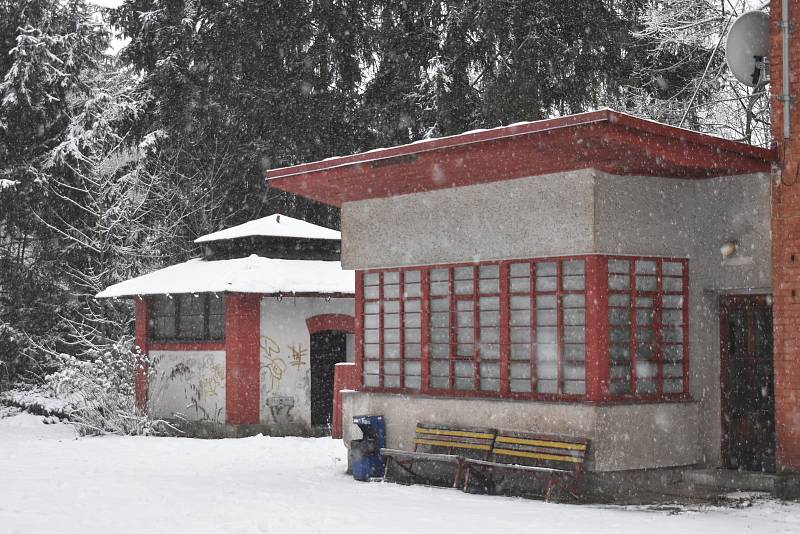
<point>624,437</point>
<point>591,212</point>
<point>664,216</point>
<point>188,385</point>
<point>534,216</point>
<point>285,405</point>
<point>693,218</point>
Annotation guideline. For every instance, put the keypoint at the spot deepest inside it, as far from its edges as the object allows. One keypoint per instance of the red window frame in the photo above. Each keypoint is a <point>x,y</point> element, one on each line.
<point>596,327</point>
<point>658,326</point>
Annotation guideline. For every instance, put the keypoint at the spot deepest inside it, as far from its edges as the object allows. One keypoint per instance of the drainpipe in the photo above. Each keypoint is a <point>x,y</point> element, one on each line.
<point>785,94</point>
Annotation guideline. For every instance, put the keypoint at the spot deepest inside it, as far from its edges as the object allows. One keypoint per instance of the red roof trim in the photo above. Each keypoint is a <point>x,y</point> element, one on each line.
<point>657,128</point>
<point>439,143</point>
<point>515,130</point>
<point>605,140</point>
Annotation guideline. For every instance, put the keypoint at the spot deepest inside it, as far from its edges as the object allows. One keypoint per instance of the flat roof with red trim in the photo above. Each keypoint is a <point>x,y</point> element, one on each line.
<point>605,140</point>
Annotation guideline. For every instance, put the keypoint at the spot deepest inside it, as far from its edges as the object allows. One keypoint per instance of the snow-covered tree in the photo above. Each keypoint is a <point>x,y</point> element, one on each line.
<point>445,67</point>
<point>46,49</point>
<point>685,79</point>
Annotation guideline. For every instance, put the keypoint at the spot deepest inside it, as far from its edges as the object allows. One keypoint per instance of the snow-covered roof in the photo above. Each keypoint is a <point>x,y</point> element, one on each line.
<point>253,274</point>
<point>275,225</point>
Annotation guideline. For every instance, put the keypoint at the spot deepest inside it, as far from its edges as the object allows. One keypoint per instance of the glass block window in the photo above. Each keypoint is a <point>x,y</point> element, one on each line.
<point>412,328</point>
<point>372,321</point>
<point>187,317</point>
<point>439,325</point>
<point>520,328</point>
<point>464,328</point>
<point>547,327</point>
<point>647,322</point>
<point>392,329</point>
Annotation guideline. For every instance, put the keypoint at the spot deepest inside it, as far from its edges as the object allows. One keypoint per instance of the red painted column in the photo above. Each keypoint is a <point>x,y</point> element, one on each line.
<point>596,327</point>
<point>142,363</point>
<point>425,332</point>
<point>242,334</point>
<point>345,376</point>
<point>359,326</point>
<point>786,243</point>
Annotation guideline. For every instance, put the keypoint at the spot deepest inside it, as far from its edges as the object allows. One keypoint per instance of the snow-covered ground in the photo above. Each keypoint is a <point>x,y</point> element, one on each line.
<point>51,482</point>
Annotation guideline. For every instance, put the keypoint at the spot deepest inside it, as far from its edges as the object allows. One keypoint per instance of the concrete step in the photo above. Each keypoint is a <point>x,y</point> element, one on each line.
<point>730,480</point>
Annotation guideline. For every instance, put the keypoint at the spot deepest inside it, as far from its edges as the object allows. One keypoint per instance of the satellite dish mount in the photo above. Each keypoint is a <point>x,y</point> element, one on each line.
<point>760,74</point>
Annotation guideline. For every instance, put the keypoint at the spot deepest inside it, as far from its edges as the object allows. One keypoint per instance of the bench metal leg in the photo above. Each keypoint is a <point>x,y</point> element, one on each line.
<point>407,468</point>
<point>459,468</point>
<point>550,485</point>
<point>386,468</point>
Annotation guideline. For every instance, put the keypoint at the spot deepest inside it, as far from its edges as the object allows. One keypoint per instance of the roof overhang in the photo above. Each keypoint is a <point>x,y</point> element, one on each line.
<point>605,140</point>
<point>253,274</point>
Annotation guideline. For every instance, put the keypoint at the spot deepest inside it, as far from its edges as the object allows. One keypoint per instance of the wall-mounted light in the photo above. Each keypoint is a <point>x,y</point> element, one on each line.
<point>729,249</point>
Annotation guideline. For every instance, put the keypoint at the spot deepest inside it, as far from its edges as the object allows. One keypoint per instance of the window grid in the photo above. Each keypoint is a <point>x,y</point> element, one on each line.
<point>373,328</point>
<point>411,329</point>
<point>522,326</point>
<point>187,318</point>
<point>480,323</point>
<point>648,347</point>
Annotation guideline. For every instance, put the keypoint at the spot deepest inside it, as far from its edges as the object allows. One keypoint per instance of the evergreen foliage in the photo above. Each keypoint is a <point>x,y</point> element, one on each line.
<point>46,49</point>
<point>110,167</point>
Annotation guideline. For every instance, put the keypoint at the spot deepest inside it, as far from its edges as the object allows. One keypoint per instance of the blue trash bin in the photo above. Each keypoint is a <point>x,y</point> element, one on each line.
<point>366,460</point>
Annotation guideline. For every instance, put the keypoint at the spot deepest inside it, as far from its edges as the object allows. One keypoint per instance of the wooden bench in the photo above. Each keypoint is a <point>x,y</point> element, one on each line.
<point>439,443</point>
<point>557,459</point>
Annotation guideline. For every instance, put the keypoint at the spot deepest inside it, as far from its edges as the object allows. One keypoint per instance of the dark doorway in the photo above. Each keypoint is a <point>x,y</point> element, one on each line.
<point>748,397</point>
<point>328,348</point>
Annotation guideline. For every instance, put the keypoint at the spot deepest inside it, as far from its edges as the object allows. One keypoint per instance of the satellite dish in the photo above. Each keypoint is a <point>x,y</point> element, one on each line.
<point>748,47</point>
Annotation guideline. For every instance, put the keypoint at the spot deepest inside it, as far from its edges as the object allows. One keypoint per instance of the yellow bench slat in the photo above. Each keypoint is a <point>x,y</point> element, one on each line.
<point>459,433</point>
<point>456,444</point>
<point>537,455</point>
<point>540,443</point>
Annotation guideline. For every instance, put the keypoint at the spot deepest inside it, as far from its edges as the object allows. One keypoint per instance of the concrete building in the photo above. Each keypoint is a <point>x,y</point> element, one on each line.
<point>595,275</point>
<point>245,339</point>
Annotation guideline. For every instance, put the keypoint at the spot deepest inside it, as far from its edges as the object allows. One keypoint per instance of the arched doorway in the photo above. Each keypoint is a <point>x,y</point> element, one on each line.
<point>328,348</point>
<point>329,335</point>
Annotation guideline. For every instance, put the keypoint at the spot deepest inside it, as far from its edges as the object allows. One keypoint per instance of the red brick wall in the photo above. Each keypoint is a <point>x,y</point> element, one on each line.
<point>242,332</point>
<point>786,245</point>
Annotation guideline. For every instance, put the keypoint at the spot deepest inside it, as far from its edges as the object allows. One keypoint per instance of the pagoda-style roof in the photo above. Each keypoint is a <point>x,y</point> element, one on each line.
<point>275,225</point>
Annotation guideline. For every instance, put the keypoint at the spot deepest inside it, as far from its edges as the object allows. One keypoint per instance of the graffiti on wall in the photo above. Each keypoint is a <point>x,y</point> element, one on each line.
<point>273,365</point>
<point>280,408</point>
<point>278,364</point>
<point>296,354</point>
<point>189,386</point>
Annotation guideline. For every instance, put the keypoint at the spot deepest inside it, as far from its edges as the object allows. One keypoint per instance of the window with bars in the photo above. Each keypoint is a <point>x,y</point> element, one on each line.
<point>187,317</point>
<point>519,328</point>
